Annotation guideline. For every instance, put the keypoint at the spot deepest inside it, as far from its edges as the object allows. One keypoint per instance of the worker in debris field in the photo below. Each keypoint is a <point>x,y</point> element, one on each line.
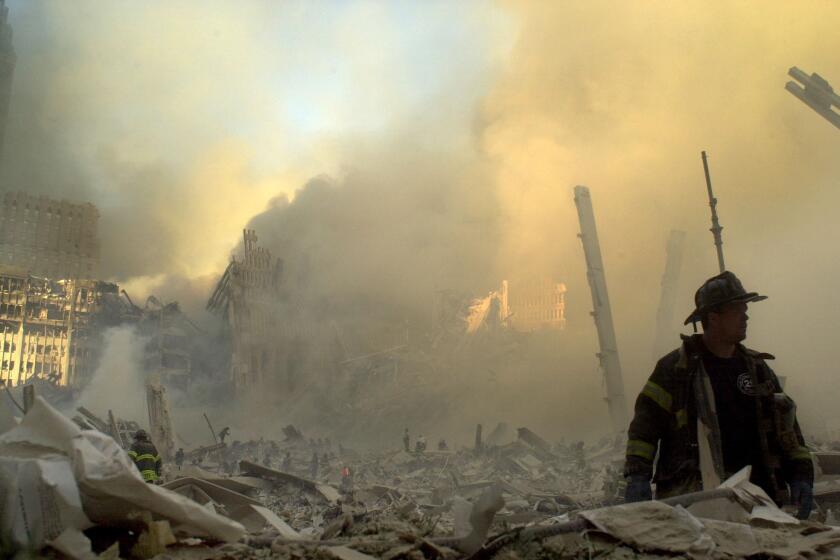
<point>420,444</point>
<point>714,406</point>
<point>346,486</point>
<point>145,456</point>
<point>406,440</point>
<point>179,458</point>
<point>442,445</point>
<point>313,466</point>
<point>224,433</point>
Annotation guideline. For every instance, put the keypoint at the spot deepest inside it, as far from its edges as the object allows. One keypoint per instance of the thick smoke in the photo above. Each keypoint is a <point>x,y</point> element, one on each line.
<point>622,98</point>
<point>392,233</point>
<point>181,121</point>
<point>119,380</point>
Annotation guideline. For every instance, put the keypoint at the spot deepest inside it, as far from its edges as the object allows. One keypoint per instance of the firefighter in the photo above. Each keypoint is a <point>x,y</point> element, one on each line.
<point>716,387</point>
<point>145,456</point>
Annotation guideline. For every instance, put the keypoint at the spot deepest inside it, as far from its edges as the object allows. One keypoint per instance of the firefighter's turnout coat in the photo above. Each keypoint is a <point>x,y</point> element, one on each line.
<point>147,459</point>
<point>675,423</point>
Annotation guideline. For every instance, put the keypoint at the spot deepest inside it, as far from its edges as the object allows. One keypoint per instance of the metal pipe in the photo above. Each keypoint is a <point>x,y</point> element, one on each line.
<point>716,227</point>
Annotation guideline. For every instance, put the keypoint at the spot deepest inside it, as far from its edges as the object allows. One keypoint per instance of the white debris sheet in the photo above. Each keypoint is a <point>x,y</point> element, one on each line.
<point>57,480</point>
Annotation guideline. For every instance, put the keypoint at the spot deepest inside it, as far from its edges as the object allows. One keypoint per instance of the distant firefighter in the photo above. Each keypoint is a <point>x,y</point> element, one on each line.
<point>346,480</point>
<point>224,433</point>
<point>406,440</point>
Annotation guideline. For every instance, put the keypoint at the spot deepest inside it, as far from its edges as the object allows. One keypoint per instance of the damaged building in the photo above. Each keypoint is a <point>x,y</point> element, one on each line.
<point>48,237</point>
<point>53,310</point>
<point>244,296</point>
<point>48,328</point>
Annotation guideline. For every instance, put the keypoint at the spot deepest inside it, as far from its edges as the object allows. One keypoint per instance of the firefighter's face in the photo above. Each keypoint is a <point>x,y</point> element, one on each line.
<point>730,322</point>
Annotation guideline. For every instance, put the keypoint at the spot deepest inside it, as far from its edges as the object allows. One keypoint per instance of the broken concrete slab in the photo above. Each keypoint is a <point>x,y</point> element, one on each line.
<point>258,519</point>
<point>535,442</point>
<point>652,526</point>
<point>326,491</point>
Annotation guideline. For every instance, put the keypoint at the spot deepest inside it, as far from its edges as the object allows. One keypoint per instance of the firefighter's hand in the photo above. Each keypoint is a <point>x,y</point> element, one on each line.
<point>802,496</point>
<point>638,489</point>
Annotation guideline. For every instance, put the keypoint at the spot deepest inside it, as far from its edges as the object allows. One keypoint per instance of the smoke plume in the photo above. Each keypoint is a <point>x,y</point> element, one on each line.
<point>119,381</point>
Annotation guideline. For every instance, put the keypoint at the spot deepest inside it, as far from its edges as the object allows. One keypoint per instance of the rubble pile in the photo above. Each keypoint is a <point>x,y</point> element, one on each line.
<point>306,498</point>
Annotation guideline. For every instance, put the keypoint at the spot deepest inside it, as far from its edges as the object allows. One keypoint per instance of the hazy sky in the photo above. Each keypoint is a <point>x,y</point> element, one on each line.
<point>464,126</point>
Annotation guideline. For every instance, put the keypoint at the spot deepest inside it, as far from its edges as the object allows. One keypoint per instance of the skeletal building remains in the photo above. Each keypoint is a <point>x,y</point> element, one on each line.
<point>47,327</point>
<point>52,330</point>
<point>160,419</point>
<point>169,352</point>
<point>48,237</point>
<point>601,312</point>
<point>534,304</point>
<point>245,295</point>
<point>522,305</point>
<point>816,93</point>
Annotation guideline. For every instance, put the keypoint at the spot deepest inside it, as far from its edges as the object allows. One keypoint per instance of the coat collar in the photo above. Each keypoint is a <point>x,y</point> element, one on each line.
<point>692,346</point>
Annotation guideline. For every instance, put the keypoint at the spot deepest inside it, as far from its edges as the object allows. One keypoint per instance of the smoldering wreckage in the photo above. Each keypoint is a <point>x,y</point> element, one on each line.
<point>69,486</point>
